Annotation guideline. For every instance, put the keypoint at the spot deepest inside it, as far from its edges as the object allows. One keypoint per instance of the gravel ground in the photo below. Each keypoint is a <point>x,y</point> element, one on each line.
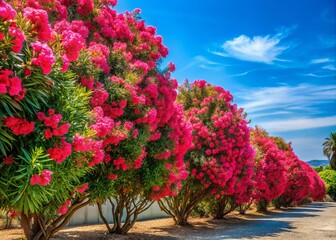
<point>316,221</point>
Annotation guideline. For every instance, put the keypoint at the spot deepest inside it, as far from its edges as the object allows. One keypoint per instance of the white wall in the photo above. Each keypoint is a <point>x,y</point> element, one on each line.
<point>90,214</point>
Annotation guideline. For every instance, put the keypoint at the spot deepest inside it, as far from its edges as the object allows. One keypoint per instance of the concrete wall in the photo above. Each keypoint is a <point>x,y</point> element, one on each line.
<point>90,214</point>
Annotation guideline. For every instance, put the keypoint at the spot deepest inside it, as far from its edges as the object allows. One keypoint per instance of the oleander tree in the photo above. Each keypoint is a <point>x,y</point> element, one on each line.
<point>238,189</point>
<point>316,184</point>
<point>142,131</point>
<point>42,109</point>
<point>270,171</point>
<point>298,183</point>
<point>220,138</point>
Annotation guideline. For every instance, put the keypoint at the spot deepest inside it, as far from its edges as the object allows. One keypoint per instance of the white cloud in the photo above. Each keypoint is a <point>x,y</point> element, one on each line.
<point>317,76</point>
<point>204,60</point>
<point>265,49</point>
<point>330,67</point>
<point>298,124</point>
<point>321,60</point>
<point>303,97</point>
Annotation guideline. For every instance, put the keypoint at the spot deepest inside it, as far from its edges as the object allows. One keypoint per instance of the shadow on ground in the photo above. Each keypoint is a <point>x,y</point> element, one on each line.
<point>247,226</point>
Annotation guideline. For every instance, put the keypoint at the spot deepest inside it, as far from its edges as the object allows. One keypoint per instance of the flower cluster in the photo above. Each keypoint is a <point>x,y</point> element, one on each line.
<point>44,56</point>
<point>81,144</point>
<point>19,126</point>
<point>52,121</point>
<point>11,85</point>
<point>64,207</point>
<point>270,175</point>
<point>39,18</point>
<point>220,137</point>
<point>41,179</point>
<point>61,151</point>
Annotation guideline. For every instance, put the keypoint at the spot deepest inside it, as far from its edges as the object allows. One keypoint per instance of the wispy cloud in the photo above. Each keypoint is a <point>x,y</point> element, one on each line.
<point>327,41</point>
<point>330,67</point>
<point>321,60</point>
<point>303,97</point>
<point>298,124</point>
<point>317,76</point>
<point>202,59</point>
<point>264,49</point>
<point>205,63</point>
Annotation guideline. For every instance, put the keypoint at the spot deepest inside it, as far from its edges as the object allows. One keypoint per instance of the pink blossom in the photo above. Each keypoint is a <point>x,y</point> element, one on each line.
<point>82,188</point>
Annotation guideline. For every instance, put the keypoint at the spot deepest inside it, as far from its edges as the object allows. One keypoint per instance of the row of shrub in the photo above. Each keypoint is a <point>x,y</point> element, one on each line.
<point>328,175</point>
<point>88,115</point>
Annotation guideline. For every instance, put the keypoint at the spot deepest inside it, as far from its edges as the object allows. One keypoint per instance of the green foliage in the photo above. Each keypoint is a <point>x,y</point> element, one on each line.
<point>329,177</point>
<point>29,152</point>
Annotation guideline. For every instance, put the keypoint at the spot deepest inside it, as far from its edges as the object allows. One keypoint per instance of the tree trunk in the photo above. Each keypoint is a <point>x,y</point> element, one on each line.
<point>182,220</point>
<point>124,204</point>
<point>224,206</point>
<point>36,227</point>
<point>181,206</point>
<point>262,206</point>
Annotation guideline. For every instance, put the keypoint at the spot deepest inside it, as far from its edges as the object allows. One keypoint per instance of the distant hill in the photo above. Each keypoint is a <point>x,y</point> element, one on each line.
<point>317,163</point>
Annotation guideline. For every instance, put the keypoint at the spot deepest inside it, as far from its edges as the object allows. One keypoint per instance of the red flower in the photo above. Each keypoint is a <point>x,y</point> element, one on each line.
<point>62,209</point>
<point>82,188</point>
<point>46,177</point>
<point>39,18</point>
<point>6,11</point>
<point>19,38</point>
<point>35,179</point>
<point>112,176</point>
<point>44,56</point>
<point>59,154</point>
<point>48,134</point>
<point>8,160</point>
<point>19,126</point>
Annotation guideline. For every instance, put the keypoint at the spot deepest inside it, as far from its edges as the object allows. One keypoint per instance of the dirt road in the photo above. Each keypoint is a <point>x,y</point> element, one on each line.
<point>316,221</point>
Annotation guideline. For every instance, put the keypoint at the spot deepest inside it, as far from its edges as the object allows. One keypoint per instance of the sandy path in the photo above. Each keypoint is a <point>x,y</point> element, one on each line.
<point>316,221</point>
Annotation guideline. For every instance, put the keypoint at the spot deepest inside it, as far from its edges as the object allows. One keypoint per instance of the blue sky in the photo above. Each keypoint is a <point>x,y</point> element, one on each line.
<point>278,59</point>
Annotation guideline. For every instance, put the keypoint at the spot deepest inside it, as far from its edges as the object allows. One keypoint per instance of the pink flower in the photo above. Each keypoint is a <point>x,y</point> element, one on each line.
<point>45,177</point>
<point>171,67</point>
<point>72,43</point>
<point>61,130</point>
<point>35,179</point>
<point>112,176</point>
<point>39,18</point>
<point>8,160</point>
<point>19,38</point>
<point>67,202</point>
<point>66,63</point>
<point>6,11</point>
<point>84,7</point>
<point>19,126</point>
<point>135,133</point>
<point>128,125</point>
<point>48,134</point>
<point>43,56</point>
<point>98,97</point>
<point>59,154</point>
<point>62,209</point>
<point>15,86</point>
<point>82,188</point>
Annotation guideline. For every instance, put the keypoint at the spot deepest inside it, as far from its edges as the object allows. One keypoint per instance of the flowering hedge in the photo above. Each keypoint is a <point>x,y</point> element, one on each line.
<point>87,116</point>
<point>42,110</point>
<point>220,144</point>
